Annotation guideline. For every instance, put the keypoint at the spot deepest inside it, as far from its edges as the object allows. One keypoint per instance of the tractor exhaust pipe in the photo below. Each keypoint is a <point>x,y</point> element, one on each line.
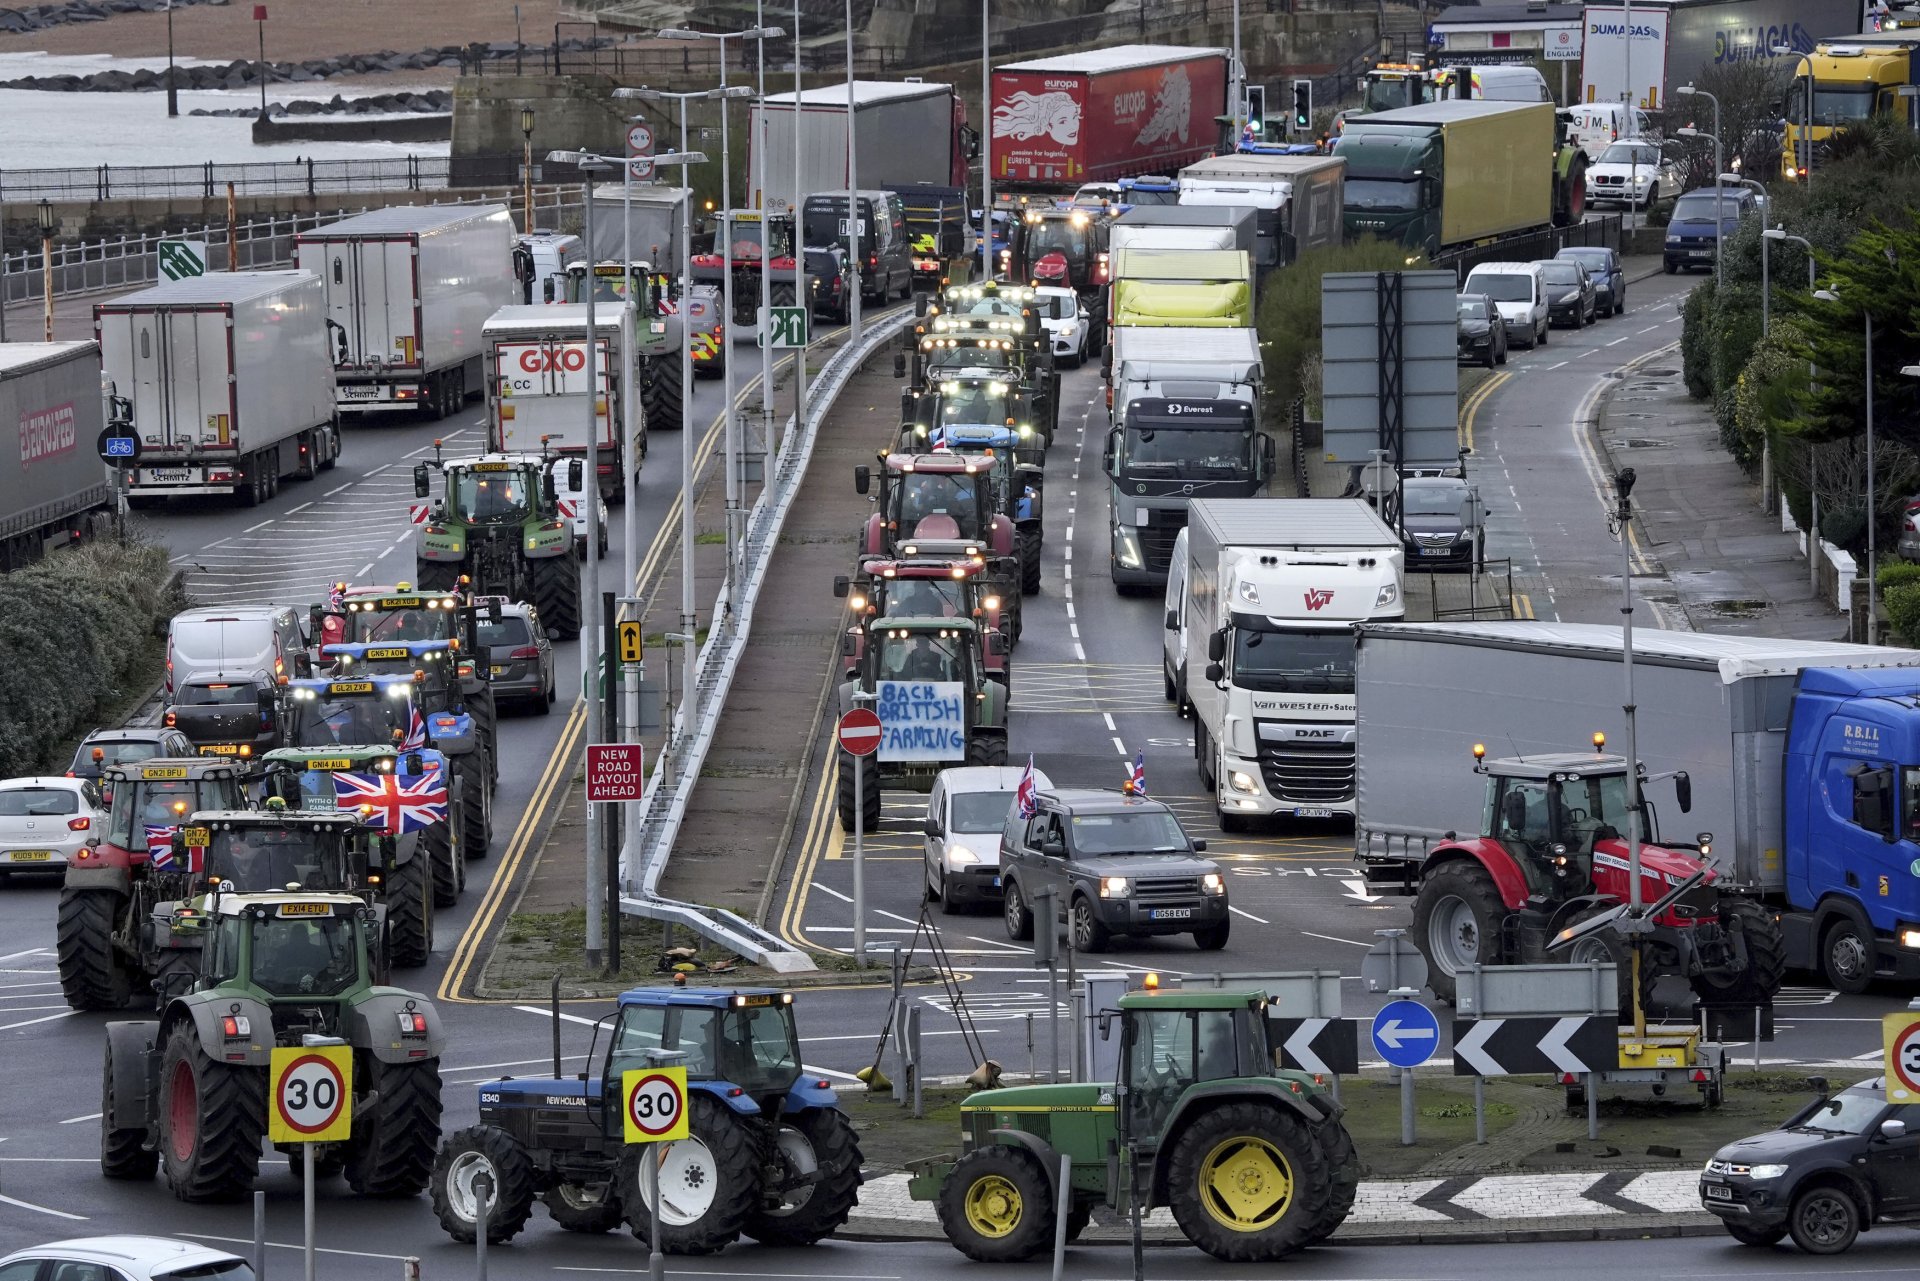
<point>553,1006</point>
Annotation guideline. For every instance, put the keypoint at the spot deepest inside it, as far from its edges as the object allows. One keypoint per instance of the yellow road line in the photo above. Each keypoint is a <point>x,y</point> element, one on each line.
<point>818,822</point>
<point>1471,409</point>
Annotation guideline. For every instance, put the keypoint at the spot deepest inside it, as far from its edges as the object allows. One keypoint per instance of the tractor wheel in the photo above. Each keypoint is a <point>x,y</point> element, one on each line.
<point>664,398</point>
<point>123,1152</point>
<point>576,1209</point>
<point>996,1206</point>
<point>476,802</point>
<point>985,748</point>
<point>820,1142</point>
<point>869,768</point>
<point>1753,1236</point>
<point>462,1159</point>
<point>435,575</point>
<point>1766,956</point>
<point>1030,560</point>
<point>409,913</point>
<point>212,1118</point>
<point>709,1182</point>
<point>1343,1173</point>
<point>449,873</point>
<point>1456,923</point>
<point>556,594</point>
<point>91,974</point>
<point>1248,1183</point>
<point>391,1153</point>
<point>1607,947</point>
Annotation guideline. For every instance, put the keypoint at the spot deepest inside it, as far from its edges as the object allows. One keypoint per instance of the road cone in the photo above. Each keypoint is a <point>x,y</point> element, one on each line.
<point>874,1079</point>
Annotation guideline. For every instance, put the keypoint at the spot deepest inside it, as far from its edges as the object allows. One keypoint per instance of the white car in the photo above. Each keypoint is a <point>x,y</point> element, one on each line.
<point>45,821</point>
<point>1065,322</point>
<point>1633,172</point>
<point>124,1258</point>
<point>965,815</point>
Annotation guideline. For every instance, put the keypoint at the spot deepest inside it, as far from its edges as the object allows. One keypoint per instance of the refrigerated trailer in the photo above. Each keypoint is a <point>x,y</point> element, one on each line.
<point>407,289</point>
<point>1677,41</point>
<point>537,387</point>
<point>230,379</point>
<point>54,490</point>
<point>904,132</point>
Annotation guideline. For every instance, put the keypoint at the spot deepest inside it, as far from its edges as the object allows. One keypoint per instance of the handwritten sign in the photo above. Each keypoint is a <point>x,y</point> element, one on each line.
<point>922,720</point>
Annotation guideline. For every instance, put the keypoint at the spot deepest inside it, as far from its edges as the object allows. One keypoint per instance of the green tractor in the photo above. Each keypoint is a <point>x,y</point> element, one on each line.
<point>1254,1162</point>
<point>499,524</point>
<point>187,1092</point>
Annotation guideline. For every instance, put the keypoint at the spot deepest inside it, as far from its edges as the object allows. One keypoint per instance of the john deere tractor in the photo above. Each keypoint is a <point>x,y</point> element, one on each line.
<point>771,1155</point>
<point>498,524</point>
<point>112,885</point>
<point>187,1092</point>
<point>1253,1161</point>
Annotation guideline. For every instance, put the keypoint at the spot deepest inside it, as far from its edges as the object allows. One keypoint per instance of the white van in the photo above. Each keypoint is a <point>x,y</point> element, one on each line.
<point>238,643</point>
<point>1517,289</point>
<point>1173,635</point>
<point>1594,126</point>
<point>1497,83</point>
<point>549,255</point>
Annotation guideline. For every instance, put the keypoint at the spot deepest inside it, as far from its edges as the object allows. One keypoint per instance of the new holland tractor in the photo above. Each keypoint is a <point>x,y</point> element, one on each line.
<point>498,524</point>
<point>1253,1161</point>
<point>771,1155</point>
<point>403,614</point>
<point>187,1092</point>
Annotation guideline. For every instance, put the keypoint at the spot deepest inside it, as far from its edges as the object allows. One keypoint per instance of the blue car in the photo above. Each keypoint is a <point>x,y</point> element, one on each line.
<point>1609,281</point>
<point>1692,232</point>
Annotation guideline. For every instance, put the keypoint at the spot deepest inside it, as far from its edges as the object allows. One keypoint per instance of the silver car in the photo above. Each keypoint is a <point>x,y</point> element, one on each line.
<point>519,653</point>
<point>966,812</point>
<point>45,821</point>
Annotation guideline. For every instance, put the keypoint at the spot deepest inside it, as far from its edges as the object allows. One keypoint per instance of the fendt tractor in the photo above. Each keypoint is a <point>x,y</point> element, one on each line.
<point>770,1156</point>
<point>112,885</point>
<point>943,505</point>
<point>187,1092</point>
<point>498,524</point>
<point>939,703</point>
<point>658,330</point>
<point>1553,857</point>
<point>1253,1161</point>
<point>404,614</point>
<point>1063,247</point>
<point>924,587</point>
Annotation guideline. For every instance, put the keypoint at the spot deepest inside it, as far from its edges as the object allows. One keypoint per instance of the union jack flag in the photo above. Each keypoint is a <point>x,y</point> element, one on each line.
<point>1137,775</point>
<point>160,849</point>
<point>416,739</point>
<point>396,803</point>
<point>1023,794</point>
<point>337,596</point>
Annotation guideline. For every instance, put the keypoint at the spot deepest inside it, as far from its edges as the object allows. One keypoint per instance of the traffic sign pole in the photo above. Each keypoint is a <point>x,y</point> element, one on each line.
<point>858,735</point>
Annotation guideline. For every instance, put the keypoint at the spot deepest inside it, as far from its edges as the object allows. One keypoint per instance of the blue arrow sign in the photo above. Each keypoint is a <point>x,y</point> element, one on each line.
<point>1405,1033</point>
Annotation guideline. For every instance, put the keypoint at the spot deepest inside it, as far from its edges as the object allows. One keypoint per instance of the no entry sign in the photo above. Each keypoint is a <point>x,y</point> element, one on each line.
<point>655,1104</point>
<point>310,1092</point>
<point>616,771</point>
<point>859,732</point>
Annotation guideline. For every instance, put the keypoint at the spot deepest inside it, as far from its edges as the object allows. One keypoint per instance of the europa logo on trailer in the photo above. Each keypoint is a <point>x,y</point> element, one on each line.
<point>47,433</point>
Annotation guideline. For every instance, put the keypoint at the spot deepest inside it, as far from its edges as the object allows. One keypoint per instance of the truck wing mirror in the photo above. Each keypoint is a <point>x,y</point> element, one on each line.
<point>846,645</point>
<point>546,289</point>
<point>422,486</point>
<point>1215,672</point>
<point>1683,791</point>
<point>1513,811</point>
<point>862,478</point>
<point>841,586</point>
<point>576,473</point>
<point>549,493</point>
<point>1217,646</point>
<point>1104,1020</point>
<point>996,644</point>
<point>1109,457</point>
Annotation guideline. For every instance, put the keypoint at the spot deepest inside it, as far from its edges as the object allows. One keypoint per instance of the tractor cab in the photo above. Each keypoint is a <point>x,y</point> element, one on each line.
<point>740,1043</point>
<point>149,801</point>
<point>292,946</point>
<point>1175,1042</point>
<point>932,499</point>
<point>439,669</point>
<point>499,524</point>
<point>973,410</point>
<point>610,283</point>
<point>923,587</point>
<point>390,616</point>
<point>365,711</point>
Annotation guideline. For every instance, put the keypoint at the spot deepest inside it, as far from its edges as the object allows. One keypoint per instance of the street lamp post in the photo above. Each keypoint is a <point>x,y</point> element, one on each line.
<point>986,144</point>
<point>1813,489</point>
<point>1806,122</point>
<point>1735,180</point>
<point>853,197</point>
<point>526,137</point>
<point>173,92</point>
<point>46,262</point>
<point>1719,167</point>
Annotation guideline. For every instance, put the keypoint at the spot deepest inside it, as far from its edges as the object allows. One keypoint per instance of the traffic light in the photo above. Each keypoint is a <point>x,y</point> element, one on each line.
<point>1256,111</point>
<point>1303,106</point>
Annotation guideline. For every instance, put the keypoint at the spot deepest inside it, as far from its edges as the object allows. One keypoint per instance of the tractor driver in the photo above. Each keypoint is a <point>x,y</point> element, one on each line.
<point>922,662</point>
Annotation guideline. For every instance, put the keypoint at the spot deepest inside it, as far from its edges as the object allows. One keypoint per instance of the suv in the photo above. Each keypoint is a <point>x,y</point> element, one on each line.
<point>1839,1165</point>
<point>1117,864</point>
<point>519,655</point>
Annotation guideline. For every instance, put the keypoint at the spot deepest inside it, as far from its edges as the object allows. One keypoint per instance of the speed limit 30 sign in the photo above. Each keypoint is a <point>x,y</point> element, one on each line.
<point>654,1104</point>
<point>1902,1037</point>
<point>310,1095</point>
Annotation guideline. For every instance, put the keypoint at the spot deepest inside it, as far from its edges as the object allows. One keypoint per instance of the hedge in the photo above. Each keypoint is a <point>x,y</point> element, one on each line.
<point>78,631</point>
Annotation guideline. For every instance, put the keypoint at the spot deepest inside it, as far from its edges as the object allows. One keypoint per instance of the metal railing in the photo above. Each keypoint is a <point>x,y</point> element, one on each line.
<point>1603,231</point>
<point>209,181</point>
<point>1484,591</point>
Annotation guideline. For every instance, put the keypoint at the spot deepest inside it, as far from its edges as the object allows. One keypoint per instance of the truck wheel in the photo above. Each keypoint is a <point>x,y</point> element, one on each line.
<point>436,575</point>
<point>1753,1236</point>
<point>1247,1183</point>
<point>556,594</point>
<point>449,873</point>
<point>457,1166</point>
<point>1090,934</point>
<point>123,1152</point>
<point>996,1206</point>
<point>476,803</point>
<point>986,748</point>
<point>91,974</point>
<point>1846,956</point>
<point>1824,1220</point>
<point>391,1153</point>
<point>1766,956</point>
<point>869,792</point>
<point>1456,923</point>
<point>212,1118</point>
<point>1343,1179</point>
<point>248,492</point>
<point>1030,560</point>
<point>331,438</point>
<point>577,1209</point>
<point>309,445</point>
<point>820,1142</point>
<point>1015,912</point>
<point>709,1183</point>
<point>409,913</point>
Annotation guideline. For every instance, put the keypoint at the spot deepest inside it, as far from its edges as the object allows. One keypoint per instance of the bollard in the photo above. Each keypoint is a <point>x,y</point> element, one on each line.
<point>409,1269</point>
<point>1030,1063</point>
<point>913,1054</point>
<point>260,1234</point>
<point>1480,1110</point>
<point>1062,1207</point>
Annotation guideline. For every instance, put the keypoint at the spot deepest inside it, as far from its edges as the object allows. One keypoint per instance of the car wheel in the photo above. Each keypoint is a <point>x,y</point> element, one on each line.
<point>1824,1220</point>
<point>1670,267</point>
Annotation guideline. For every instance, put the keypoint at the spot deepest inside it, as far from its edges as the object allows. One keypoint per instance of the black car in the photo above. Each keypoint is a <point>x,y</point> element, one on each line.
<point>1443,522</point>
<point>1116,864</point>
<point>1840,1165</point>
<point>519,655</point>
<point>827,276</point>
<point>1609,281</point>
<point>1483,336</point>
<point>1570,293</point>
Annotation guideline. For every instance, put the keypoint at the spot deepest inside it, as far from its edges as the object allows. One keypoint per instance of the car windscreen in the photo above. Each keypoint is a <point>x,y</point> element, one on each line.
<point>1434,500</point>
<point>1594,260</point>
<point>1149,831</point>
<point>1564,275</point>
<point>38,802</point>
<point>1502,286</point>
<point>980,811</point>
<point>822,264</point>
<point>1697,206</point>
<point>1847,1112</point>
<point>508,629</point>
<point>314,957</point>
<point>1621,153</point>
<point>118,752</point>
<point>1470,309</point>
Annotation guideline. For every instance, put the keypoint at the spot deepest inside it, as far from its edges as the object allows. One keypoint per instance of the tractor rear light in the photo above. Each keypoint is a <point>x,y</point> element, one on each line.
<point>412,1023</point>
<point>170,720</point>
<point>526,651</point>
<point>823,1084</point>
<point>1698,1076</point>
<point>80,824</point>
<point>373,878</point>
<point>235,1027</point>
<point>735,1092</point>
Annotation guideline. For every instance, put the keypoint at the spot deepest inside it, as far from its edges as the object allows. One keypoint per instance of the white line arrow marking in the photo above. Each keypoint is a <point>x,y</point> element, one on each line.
<point>1472,1048</point>
<point>1393,1033</point>
<point>1299,1046</point>
<point>1358,890</point>
<point>1554,1045</point>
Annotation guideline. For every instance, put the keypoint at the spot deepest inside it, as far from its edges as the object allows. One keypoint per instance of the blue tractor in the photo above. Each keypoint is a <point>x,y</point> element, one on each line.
<point>771,1155</point>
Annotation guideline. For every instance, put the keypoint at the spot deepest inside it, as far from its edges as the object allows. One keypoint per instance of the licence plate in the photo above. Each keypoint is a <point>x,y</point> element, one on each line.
<point>1313,813</point>
<point>1433,551</point>
<point>361,393</point>
<point>1718,1194</point>
<point>30,856</point>
<point>221,749</point>
<point>499,671</point>
<point>1170,914</point>
<point>167,473</point>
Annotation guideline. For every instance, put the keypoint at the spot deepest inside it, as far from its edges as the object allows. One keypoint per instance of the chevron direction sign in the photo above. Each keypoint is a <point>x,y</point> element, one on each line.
<point>1534,1046</point>
<point>1318,1045</point>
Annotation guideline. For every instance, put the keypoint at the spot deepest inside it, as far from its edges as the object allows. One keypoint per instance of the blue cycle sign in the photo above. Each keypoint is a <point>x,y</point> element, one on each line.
<point>922,720</point>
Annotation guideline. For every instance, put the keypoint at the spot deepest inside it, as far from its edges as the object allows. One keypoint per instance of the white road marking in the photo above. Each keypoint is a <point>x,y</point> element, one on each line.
<point>41,1209</point>
<point>32,951</point>
<point>337,489</point>
<point>828,889</point>
<point>1622,338</point>
<point>1079,652</point>
<point>75,1120</point>
<point>302,507</point>
<point>262,525</point>
<point>1561,364</point>
<point>45,1018</point>
<point>1108,718</point>
<point>365,570</point>
<point>1249,915</point>
<point>1119,746</point>
<point>1651,328</point>
<point>1331,939</point>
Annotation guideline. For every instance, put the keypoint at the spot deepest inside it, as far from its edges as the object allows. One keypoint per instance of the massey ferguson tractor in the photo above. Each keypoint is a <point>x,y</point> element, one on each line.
<point>1554,859</point>
<point>943,505</point>
<point>498,525</point>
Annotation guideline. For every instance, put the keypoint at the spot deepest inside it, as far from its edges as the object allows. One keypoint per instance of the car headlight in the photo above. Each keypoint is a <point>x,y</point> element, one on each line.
<point>1673,242</point>
<point>961,856</point>
<point>1388,594</point>
<point>1240,781</point>
<point>1766,1171</point>
<point>1212,884</point>
<point>1114,887</point>
<point>1572,297</point>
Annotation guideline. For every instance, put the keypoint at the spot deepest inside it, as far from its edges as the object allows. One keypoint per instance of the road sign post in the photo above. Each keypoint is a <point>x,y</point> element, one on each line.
<point>1405,1034</point>
<point>310,1093</point>
<point>639,148</point>
<point>654,1111</point>
<point>859,736</point>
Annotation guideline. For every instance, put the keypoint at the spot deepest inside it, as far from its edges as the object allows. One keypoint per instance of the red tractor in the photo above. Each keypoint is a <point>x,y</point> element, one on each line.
<point>943,505</point>
<point>925,587</point>
<point>1554,857</point>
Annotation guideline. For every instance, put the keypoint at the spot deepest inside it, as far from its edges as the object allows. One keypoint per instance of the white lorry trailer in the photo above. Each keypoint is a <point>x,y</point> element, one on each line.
<point>906,132</point>
<point>55,490</point>
<point>536,358</point>
<point>1184,227</point>
<point>230,379</point>
<point>1297,199</point>
<point>407,291</point>
<point>1274,586</point>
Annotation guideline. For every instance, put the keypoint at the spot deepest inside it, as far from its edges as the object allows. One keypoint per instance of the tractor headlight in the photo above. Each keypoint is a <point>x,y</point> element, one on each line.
<point>1115,887</point>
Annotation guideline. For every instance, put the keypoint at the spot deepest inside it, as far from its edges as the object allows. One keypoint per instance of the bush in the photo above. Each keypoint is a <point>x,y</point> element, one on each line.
<point>76,629</point>
<point>1898,573</point>
<point>1902,603</point>
<point>1696,342</point>
<point>1289,318</point>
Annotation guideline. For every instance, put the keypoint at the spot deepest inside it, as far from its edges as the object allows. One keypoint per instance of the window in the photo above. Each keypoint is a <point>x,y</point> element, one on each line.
<point>1910,803</point>
<point>225,964</point>
<point>488,496</point>
<point>1523,813</point>
<point>1293,662</point>
<point>1873,798</point>
<point>221,695</point>
<point>1470,308</point>
<point>980,811</point>
<point>224,1270</point>
<point>121,752</point>
<point>304,957</point>
<point>70,1270</point>
<point>1433,500</point>
<point>1502,286</point>
<point>38,802</point>
<point>1143,831</point>
<point>26,1269</point>
<point>1159,1064</point>
<point>1621,153</point>
<point>511,629</point>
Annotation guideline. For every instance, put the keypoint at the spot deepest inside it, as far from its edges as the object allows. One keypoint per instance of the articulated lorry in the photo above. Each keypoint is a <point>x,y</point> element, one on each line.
<point>1297,199</point>
<point>1269,591</point>
<point>1852,80</point>
<point>230,375</point>
<point>537,387</point>
<point>407,289</point>
<point>56,491</point>
<point>904,132</point>
<point>1676,41</point>
<point>1801,762</point>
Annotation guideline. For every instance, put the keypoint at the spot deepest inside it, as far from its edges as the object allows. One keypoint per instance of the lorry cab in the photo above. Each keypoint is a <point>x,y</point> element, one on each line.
<point>547,257</point>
